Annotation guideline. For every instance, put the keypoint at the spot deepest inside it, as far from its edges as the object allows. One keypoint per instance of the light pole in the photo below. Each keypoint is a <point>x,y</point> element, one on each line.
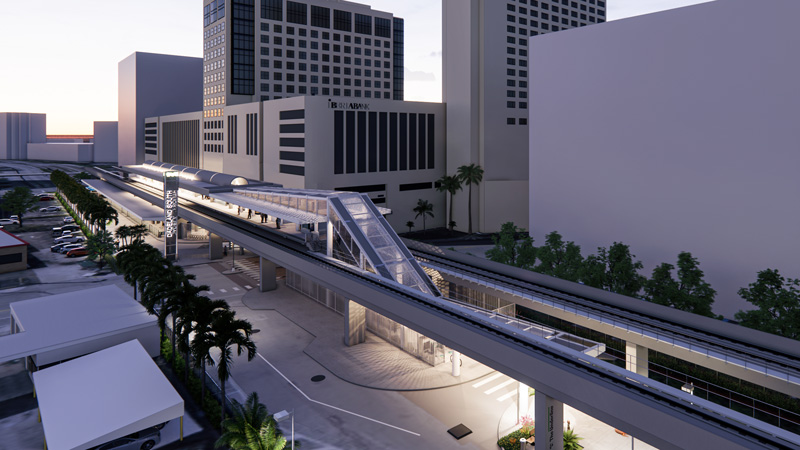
<point>283,415</point>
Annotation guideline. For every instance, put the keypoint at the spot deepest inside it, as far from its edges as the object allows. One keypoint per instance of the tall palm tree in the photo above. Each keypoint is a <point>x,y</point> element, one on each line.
<point>250,428</point>
<point>450,184</point>
<point>424,208</point>
<point>469,175</point>
<point>123,233</point>
<point>164,284</point>
<point>138,263</point>
<point>229,332</point>
<point>202,343</point>
<point>196,310</point>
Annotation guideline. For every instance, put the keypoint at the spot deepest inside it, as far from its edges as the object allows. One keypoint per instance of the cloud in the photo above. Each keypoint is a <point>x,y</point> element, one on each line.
<point>418,75</point>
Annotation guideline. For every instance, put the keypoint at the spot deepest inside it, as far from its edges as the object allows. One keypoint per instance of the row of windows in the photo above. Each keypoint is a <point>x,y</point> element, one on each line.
<point>213,12</point>
<point>303,56</point>
<point>545,4</point>
<point>243,57</point>
<point>232,133</point>
<point>213,101</point>
<point>314,45</point>
<point>212,148</point>
<point>218,28</point>
<point>554,9</point>
<point>214,42</point>
<point>251,134</point>
<point>212,124</point>
<point>302,32</point>
<point>214,77</point>
<point>209,90</point>
<point>212,136</point>
<point>313,90</point>
<point>513,121</point>
<point>316,79</point>
<point>212,113</point>
<point>380,142</point>
<point>214,65</point>
<point>214,54</point>
<point>297,13</point>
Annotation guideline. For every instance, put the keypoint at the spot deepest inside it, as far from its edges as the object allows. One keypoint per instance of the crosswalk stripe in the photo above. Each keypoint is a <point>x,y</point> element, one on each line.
<point>210,292</point>
<point>487,380</point>
<point>223,290</point>
<point>247,286</point>
<point>498,387</point>
<point>236,289</point>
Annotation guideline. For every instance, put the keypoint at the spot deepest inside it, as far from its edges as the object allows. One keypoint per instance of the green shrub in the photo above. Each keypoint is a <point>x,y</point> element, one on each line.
<point>511,440</point>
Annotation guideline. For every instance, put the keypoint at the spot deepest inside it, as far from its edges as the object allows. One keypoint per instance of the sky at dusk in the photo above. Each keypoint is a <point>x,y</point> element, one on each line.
<point>60,58</point>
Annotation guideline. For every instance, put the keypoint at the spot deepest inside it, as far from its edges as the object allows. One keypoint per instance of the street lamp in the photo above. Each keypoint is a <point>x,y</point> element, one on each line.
<point>283,415</point>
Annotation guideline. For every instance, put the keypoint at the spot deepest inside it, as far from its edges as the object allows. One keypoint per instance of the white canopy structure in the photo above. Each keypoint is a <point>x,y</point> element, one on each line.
<point>103,396</point>
<point>64,326</point>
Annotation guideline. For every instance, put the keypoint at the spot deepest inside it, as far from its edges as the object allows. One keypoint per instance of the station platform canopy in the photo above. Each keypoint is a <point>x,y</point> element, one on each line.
<point>103,396</point>
<point>135,206</point>
<point>199,181</point>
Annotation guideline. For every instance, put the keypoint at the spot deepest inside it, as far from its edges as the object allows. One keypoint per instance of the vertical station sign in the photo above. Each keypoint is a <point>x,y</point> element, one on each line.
<point>171,215</point>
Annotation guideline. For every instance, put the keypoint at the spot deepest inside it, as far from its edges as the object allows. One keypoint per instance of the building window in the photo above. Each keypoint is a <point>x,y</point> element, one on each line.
<point>342,21</point>
<point>272,9</point>
<point>320,17</point>
<point>510,121</point>
<point>296,12</point>
<point>363,24</point>
<point>383,28</point>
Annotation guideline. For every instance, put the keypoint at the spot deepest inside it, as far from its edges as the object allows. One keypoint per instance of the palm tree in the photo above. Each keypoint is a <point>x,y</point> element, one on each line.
<point>450,184</point>
<point>204,315</point>
<point>122,234</point>
<point>195,314</point>
<point>250,428</point>
<point>469,175</point>
<point>100,245</point>
<point>227,332</point>
<point>424,208</point>
<point>161,286</point>
<point>138,263</point>
<point>410,225</point>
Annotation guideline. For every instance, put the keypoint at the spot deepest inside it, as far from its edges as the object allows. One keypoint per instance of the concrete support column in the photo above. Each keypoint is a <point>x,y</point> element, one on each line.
<point>355,323</point>
<point>456,363</point>
<point>267,277</point>
<point>549,416</point>
<point>329,239</point>
<point>636,358</point>
<point>522,400</point>
<point>214,246</point>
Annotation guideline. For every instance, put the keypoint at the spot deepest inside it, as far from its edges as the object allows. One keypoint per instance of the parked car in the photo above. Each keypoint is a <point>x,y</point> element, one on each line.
<point>58,231</point>
<point>50,209</point>
<point>68,247</point>
<point>46,198</point>
<point>68,219</point>
<point>9,222</point>
<point>79,251</point>
<point>69,240</point>
<point>14,217</point>
<point>57,247</point>
<point>142,440</point>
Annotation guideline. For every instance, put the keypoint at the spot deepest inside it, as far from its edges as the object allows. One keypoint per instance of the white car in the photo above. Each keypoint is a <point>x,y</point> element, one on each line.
<point>69,240</point>
<point>68,219</point>
<point>9,222</point>
<point>50,209</point>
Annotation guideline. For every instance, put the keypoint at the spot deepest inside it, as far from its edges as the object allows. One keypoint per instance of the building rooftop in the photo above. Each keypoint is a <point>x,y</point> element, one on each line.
<point>9,240</point>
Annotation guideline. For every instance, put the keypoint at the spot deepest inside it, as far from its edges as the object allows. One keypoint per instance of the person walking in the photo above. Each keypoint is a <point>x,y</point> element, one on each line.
<point>249,213</point>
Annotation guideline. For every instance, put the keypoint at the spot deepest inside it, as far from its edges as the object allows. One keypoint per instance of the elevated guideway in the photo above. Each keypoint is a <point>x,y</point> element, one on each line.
<point>761,358</point>
<point>657,414</point>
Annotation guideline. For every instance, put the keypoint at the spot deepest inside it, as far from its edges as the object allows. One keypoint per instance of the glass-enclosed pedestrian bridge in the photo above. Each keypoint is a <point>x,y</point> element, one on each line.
<point>346,226</point>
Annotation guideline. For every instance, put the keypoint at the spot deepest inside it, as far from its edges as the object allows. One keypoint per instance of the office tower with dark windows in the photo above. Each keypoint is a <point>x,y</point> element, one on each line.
<point>485,89</point>
<point>257,50</point>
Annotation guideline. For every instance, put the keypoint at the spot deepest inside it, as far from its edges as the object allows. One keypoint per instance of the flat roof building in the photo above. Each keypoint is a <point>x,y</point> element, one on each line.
<point>673,141</point>
<point>485,88</point>
<point>13,253</point>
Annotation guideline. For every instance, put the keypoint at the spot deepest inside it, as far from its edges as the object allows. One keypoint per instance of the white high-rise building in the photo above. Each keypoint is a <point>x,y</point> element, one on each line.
<point>272,49</point>
<point>485,68</point>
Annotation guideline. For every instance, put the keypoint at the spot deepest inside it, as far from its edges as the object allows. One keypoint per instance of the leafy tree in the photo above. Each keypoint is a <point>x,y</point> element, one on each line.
<point>469,175</point>
<point>250,428</point>
<point>689,293</point>
<point>100,246</point>
<point>450,184</point>
<point>424,208</point>
<point>228,332</point>
<point>410,225</point>
<point>19,201</point>
<point>508,250</point>
<point>613,270</point>
<point>778,302</point>
<point>559,259</point>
